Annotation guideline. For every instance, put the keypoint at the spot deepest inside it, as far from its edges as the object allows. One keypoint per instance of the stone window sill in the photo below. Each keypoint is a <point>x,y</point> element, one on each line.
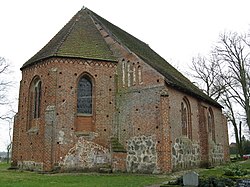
<point>86,134</point>
<point>33,130</point>
<point>82,133</point>
<point>84,115</point>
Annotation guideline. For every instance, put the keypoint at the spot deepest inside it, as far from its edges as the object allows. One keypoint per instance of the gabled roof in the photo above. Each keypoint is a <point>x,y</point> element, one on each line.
<point>80,38</point>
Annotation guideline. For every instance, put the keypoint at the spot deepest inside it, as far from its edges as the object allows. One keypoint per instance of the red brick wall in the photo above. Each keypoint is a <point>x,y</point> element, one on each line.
<point>119,162</point>
<point>139,105</point>
<point>84,123</point>
<point>203,136</point>
<point>142,109</point>
<point>59,84</point>
<point>200,132</point>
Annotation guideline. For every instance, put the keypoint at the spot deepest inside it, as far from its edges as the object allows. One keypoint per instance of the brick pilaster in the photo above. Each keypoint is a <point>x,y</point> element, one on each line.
<point>164,158</point>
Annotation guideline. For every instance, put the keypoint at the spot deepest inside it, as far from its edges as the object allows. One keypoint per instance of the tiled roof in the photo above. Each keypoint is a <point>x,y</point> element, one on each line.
<point>80,38</point>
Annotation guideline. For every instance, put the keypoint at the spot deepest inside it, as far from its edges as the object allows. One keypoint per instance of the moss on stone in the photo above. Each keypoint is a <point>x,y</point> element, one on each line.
<point>117,146</point>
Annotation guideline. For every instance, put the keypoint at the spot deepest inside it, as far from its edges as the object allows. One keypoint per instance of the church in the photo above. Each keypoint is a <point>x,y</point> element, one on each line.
<point>95,97</point>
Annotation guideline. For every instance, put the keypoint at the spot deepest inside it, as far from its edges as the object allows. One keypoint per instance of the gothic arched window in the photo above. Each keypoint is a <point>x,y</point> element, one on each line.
<point>34,110</point>
<point>211,126</point>
<point>84,95</point>
<point>186,118</point>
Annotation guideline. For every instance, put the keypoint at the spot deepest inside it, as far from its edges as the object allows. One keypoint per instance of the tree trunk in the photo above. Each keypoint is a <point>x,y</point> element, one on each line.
<point>248,114</point>
<point>238,138</point>
<point>8,153</point>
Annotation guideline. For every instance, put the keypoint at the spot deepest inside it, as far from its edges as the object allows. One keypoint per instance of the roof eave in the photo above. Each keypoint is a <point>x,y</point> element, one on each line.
<point>66,56</point>
<point>212,102</point>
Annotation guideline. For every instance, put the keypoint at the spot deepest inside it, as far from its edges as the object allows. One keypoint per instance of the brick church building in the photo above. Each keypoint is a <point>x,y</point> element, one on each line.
<point>97,97</point>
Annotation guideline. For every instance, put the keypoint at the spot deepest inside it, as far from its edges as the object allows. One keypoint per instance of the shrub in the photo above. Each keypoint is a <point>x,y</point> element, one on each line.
<point>215,182</point>
<point>235,170</point>
<point>206,182</point>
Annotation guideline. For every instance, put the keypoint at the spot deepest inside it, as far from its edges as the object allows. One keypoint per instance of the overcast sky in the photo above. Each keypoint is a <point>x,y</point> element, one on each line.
<point>176,29</point>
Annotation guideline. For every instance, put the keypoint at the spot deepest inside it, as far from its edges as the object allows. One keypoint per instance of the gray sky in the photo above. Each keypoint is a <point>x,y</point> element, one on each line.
<point>177,30</point>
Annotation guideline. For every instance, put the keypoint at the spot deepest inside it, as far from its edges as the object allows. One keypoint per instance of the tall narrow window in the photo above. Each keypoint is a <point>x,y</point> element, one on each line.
<point>186,118</point>
<point>211,126</point>
<point>139,74</point>
<point>37,98</point>
<point>123,73</point>
<point>34,99</point>
<point>84,95</point>
<point>134,75</point>
<point>129,74</point>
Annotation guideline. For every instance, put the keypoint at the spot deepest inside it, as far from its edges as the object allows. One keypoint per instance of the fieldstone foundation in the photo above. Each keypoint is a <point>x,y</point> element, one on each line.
<point>185,154</point>
<point>30,165</point>
<point>216,153</point>
<point>142,156</point>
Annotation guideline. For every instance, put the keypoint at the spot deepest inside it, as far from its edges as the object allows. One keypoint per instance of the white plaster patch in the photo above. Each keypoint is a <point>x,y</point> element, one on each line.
<point>85,155</point>
<point>61,137</point>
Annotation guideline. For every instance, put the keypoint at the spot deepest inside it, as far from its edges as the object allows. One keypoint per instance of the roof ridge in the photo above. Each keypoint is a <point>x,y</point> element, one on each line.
<point>94,15</point>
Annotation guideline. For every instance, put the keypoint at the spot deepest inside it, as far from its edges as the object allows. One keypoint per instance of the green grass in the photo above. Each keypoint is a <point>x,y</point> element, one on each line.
<point>219,170</point>
<point>11,178</point>
<point>245,164</point>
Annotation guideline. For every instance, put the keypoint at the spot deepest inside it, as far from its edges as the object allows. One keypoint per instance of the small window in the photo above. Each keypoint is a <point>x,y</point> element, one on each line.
<point>186,118</point>
<point>84,95</point>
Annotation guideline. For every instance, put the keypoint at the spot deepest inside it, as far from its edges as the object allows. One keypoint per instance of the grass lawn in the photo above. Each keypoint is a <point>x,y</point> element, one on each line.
<point>219,170</point>
<point>10,178</point>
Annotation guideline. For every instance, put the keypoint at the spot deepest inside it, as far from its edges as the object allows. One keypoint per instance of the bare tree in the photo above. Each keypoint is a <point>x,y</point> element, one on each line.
<point>233,53</point>
<point>9,143</point>
<point>207,72</point>
<point>232,116</point>
<point>224,76</point>
<point>5,85</point>
<point>6,112</point>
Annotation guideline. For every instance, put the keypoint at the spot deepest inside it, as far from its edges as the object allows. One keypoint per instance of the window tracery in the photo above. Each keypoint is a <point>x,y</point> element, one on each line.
<point>211,126</point>
<point>34,100</point>
<point>84,95</point>
<point>186,118</point>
